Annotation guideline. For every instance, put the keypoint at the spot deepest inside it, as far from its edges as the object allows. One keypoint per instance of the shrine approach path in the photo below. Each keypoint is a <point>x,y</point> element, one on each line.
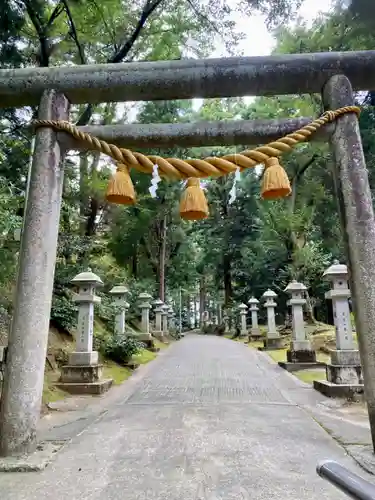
<point>211,419</point>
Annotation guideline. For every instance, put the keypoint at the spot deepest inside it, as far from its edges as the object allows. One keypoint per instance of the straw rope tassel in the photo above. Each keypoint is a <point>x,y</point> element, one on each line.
<point>275,181</point>
<point>120,187</point>
<point>193,205</point>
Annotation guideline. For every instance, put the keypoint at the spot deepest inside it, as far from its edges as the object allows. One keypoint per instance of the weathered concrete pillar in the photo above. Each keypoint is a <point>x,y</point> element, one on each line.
<point>83,374</point>
<point>255,332</point>
<point>24,370</point>
<point>119,294</point>
<point>243,311</point>
<point>158,309</point>
<point>358,224</point>
<point>145,307</point>
<point>300,355</point>
<point>344,373</point>
<point>273,339</point>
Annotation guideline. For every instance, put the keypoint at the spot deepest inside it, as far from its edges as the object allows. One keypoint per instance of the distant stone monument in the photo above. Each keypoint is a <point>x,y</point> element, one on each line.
<point>273,339</point>
<point>158,309</point>
<point>164,319</point>
<point>255,333</point>
<point>119,293</point>
<point>243,311</point>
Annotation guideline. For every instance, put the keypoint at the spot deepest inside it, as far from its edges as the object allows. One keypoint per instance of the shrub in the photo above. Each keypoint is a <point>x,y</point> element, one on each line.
<point>120,349</point>
<point>63,312</point>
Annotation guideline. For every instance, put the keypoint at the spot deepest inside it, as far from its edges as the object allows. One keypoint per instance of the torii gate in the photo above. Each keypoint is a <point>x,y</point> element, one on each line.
<point>334,75</point>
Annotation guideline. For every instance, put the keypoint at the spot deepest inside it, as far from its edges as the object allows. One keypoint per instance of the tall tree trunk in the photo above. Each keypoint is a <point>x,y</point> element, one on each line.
<point>135,262</point>
<point>228,291</point>
<point>309,309</point>
<point>293,237</point>
<point>188,310</point>
<point>83,188</point>
<point>202,299</point>
<point>162,254</point>
<point>196,322</point>
<point>94,207</point>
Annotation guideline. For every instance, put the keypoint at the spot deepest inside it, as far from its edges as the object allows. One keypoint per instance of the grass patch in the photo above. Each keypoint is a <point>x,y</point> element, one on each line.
<point>143,357</point>
<point>256,343</point>
<point>277,355</point>
<point>309,376</point>
<point>50,392</point>
<point>323,357</point>
<point>159,344</point>
<point>118,373</point>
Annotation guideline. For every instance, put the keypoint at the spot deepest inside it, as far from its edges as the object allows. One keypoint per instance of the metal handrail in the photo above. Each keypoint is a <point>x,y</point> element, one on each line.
<point>351,484</point>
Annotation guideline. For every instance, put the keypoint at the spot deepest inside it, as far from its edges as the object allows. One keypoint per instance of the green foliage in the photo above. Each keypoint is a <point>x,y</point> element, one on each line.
<point>120,349</point>
<point>63,312</point>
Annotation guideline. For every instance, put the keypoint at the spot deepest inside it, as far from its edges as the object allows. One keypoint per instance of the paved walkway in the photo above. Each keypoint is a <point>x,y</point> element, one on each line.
<point>210,420</point>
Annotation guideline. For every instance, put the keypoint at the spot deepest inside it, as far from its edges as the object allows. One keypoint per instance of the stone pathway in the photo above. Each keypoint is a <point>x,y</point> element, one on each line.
<point>210,420</point>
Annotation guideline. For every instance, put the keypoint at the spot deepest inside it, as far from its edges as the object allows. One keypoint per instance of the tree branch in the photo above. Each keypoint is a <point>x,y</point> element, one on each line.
<point>303,169</point>
<point>149,7</point>
<point>40,30</point>
<point>73,33</point>
<point>55,14</point>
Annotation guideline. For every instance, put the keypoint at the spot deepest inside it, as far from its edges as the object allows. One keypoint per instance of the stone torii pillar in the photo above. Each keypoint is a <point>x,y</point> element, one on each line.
<point>119,293</point>
<point>344,373</point>
<point>255,333</point>
<point>243,311</point>
<point>83,374</point>
<point>273,339</point>
<point>22,389</point>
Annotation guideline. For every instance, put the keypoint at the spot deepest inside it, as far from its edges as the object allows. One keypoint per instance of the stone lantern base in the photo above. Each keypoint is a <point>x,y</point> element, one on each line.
<point>146,338</point>
<point>83,375</point>
<point>344,375</point>
<point>255,334</point>
<point>159,335</point>
<point>300,360</point>
<point>271,343</point>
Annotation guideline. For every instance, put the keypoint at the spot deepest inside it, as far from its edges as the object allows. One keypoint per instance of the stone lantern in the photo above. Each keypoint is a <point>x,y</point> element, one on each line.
<point>243,311</point>
<point>83,374</point>
<point>119,293</point>
<point>300,354</point>
<point>164,317</point>
<point>273,339</point>
<point>145,307</point>
<point>171,325</point>
<point>226,322</point>
<point>255,333</point>
<point>344,373</point>
<point>158,309</point>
